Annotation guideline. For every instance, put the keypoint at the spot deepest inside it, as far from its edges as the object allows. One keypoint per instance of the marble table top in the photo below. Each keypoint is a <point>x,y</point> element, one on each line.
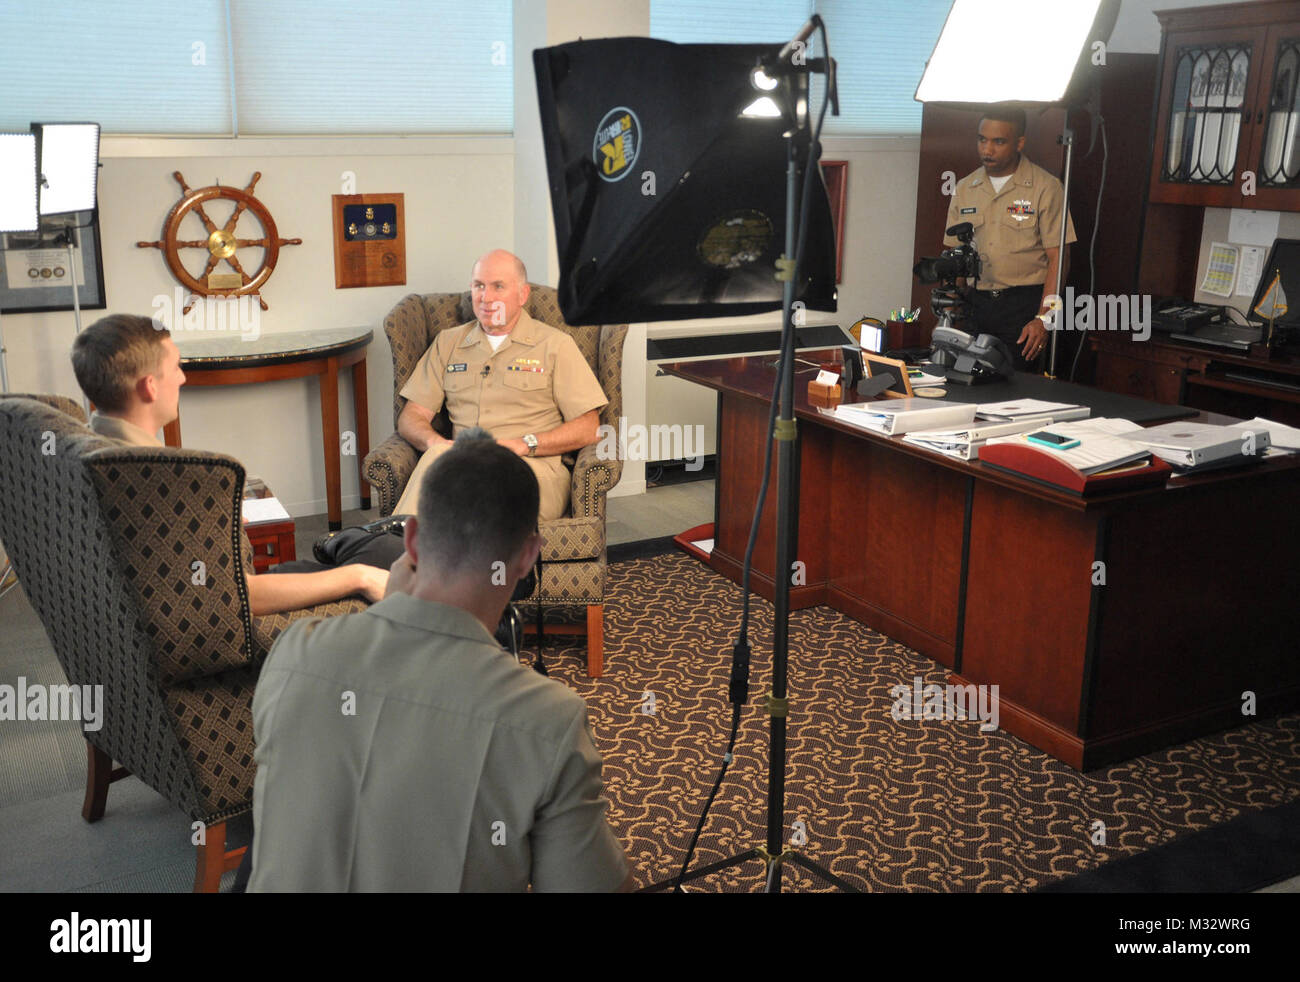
<point>233,348</point>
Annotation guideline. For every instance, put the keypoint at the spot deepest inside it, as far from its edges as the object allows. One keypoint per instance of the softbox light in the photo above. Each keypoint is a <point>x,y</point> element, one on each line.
<point>69,165</point>
<point>18,183</point>
<point>1040,66</point>
<point>669,200</point>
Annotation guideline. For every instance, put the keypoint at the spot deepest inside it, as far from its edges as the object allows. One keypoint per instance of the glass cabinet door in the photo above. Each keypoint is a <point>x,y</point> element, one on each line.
<point>1279,164</point>
<point>1205,113</point>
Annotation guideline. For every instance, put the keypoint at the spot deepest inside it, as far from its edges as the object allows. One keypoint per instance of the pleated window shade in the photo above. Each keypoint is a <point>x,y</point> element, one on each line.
<point>396,66</point>
<point>133,66</point>
<point>260,67</point>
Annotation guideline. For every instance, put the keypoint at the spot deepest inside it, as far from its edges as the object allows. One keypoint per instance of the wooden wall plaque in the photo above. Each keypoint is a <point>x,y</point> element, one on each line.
<point>369,240</point>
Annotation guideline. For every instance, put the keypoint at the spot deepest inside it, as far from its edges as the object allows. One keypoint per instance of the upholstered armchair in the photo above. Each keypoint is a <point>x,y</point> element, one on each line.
<point>573,547</point>
<point>134,559</point>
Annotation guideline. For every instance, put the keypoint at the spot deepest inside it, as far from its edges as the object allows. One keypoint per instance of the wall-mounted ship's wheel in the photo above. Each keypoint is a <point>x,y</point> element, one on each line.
<point>221,243</point>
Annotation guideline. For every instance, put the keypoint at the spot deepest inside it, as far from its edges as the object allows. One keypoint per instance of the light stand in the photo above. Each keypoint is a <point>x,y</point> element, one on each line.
<point>51,170</point>
<point>1058,315</point>
<point>69,172</point>
<point>801,144</point>
<point>18,213</point>
<point>664,168</point>
<point>18,208</point>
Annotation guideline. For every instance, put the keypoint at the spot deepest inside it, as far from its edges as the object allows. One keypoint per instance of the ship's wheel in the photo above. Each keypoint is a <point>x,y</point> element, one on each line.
<point>221,243</point>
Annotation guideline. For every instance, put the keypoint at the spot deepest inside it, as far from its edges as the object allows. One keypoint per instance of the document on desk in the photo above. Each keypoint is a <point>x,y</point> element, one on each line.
<point>1190,445</point>
<point>264,510</point>
<point>1103,444</point>
<point>964,442</point>
<point>895,416</point>
<point>1280,435</point>
<point>1013,409</point>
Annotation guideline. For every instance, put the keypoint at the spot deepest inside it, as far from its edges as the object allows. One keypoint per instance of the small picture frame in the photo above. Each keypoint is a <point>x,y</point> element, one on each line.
<point>34,269</point>
<point>901,388</point>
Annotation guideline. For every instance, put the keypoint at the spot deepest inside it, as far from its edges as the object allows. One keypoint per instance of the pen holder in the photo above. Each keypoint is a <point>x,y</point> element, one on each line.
<point>906,334</point>
<point>825,396</point>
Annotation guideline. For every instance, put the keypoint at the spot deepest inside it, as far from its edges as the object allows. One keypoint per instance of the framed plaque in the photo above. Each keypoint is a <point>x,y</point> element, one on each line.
<point>369,240</point>
<point>35,270</point>
<point>836,175</point>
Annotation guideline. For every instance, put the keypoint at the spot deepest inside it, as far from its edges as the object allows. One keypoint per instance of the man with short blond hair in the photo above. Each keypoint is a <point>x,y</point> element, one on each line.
<point>130,368</point>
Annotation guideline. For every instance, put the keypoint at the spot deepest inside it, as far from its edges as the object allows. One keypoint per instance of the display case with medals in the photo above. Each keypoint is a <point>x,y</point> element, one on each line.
<point>369,240</point>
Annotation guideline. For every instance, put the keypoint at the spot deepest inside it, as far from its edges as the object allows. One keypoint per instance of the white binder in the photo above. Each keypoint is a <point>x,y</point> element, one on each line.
<point>964,442</point>
<point>1198,444</point>
<point>901,415</point>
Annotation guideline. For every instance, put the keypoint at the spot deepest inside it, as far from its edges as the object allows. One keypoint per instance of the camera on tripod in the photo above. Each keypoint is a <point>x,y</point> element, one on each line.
<point>966,359</point>
<point>959,262</point>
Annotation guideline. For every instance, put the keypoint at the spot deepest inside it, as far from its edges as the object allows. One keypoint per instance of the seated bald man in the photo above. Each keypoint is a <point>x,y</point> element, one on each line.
<point>521,379</point>
<point>130,368</point>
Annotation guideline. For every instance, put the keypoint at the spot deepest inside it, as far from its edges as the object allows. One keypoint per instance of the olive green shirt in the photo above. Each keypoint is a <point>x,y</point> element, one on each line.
<point>400,749</point>
<point>120,429</point>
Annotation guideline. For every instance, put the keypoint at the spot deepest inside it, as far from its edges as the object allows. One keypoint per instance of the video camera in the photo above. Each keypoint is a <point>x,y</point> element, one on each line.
<point>961,261</point>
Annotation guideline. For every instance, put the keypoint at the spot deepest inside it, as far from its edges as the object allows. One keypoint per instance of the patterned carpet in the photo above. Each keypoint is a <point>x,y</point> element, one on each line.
<point>889,806</point>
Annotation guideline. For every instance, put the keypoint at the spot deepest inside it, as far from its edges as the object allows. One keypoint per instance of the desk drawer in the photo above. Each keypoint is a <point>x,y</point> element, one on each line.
<point>1137,377</point>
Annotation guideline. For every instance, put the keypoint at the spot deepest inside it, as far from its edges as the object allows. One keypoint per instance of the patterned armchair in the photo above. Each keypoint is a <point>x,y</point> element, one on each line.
<point>131,557</point>
<point>573,547</point>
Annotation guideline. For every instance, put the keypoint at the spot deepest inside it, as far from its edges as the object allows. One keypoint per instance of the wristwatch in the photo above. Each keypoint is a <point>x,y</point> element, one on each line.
<point>530,441</point>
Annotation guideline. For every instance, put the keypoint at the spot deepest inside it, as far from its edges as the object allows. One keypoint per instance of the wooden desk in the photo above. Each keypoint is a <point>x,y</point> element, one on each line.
<point>229,360</point>
<point>993,576</point>
<point>1194,375</point>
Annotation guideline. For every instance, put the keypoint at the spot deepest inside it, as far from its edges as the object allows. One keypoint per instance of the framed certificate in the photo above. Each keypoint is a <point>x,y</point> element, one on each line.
<point>36,272</point>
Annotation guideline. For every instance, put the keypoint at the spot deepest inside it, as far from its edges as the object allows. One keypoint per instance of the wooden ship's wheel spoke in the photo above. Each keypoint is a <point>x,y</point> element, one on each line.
<point>222,241</point>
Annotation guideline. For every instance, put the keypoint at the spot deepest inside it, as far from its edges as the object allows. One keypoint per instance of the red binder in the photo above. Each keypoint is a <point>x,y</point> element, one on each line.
<point>1044,467</point>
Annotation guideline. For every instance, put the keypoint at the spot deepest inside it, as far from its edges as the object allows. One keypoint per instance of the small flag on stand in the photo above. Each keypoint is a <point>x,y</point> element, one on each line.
<point>1273,304</point>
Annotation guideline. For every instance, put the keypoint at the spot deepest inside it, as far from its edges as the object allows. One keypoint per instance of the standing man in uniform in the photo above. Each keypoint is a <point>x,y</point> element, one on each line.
<point>523,381</point>
<point>1015,207</point>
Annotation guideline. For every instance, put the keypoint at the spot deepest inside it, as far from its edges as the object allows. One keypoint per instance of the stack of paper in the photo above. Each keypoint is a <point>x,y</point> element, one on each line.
<point>1189,445</point>
<point>264,510</point>
<point>1101,447</point>
<point>894,416</point>
<point>1013,409</point>
<point>926,379</point>
<point>1280,435</point>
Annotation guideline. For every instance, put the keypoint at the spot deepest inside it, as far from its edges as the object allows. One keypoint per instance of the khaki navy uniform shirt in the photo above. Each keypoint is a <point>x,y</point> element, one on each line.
<point>120,429</point>
<point>1014,227</point>
<point>534,382</point>
<point>401,749</point>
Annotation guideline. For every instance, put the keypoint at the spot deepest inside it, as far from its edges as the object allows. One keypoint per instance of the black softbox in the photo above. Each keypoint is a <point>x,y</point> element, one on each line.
<point>669,202</point>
